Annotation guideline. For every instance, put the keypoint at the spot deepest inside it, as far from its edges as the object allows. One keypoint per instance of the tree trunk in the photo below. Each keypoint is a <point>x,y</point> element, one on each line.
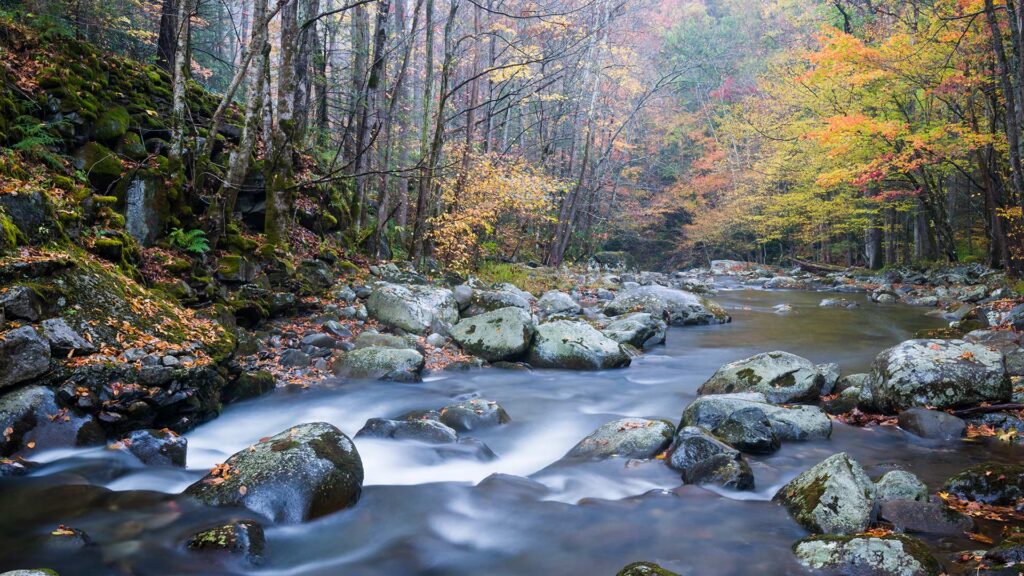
<point>167,40</point>
<point>180,81</point>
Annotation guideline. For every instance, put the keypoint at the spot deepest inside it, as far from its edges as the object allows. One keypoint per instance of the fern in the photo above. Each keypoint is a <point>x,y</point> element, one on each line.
<point>37,138</point>
<point>193,241</point>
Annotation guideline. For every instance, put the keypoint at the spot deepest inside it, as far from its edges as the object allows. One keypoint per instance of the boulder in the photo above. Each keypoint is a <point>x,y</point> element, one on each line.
<point>574,345</point>
<point>677,307</point>
<point>1009,552</point>
<point>243,538</point>
<point>420,429</point>
<point>932,424</point>
<point>20,303</point>
<point>785,283</point>
<point>64,339</point>
<point>939,374</point>
<point>402,365</point>
<point>638,438</point>
<point>30,213</point>
<point>900,485</point>
<point>748,430</point>
<point>704,459</point>
<point>24,355</point>
<point>488,300</point>
<point>156,447</point>
<point>554,302</point>
<point>474,414</point>
<point>989,483</point>
<point>788,423</point>
<point>101,165</point>
<point>782,378</point>
<point>924,517</point>
<point>414,308</point>
<point>502,334</point>
<point>890,555</point>
<point>305,472</point>
<point>146,207</point>
<point>639,329</point>
<point>22,410</point>
<point>838,303</point>
<point>644,569</point>
<point>833,497</point>
<point>250,385</point>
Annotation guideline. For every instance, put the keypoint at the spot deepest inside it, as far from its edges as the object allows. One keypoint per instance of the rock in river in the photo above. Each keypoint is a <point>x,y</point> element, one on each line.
<point>244,538</point>
<point>677,307</point>
<point>937,373</point>
<point>420,429</point>
<point>989,483</point>
<point>639,329</point>
<point>900,485</point>
<point>932,424</point>
<point>502,334</point>
<point>412,308</point>
<point>305,472</point>
<point>626,438</point>
<point>833,497</point>
<point>474,414</point>
<point>704,459</point>
<point>576,346</point>
<point>891,555</point>
<point>782,377</point>
<point>788,423</point>
<point>402,365</point>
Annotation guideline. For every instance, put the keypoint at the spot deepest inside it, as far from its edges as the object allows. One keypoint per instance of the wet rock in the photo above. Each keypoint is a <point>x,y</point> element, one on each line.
<point>436,340</point>
<point>318,339</point>
<point>463,294</point>
<point>833,497</point>
<point>249,385</point>
<point>748,430</point>
<point>416,309</point>
<point>999,421</point>
<point>373,340</point>
<point>677,307</point>
<point>644,569</point>
<point>22,410</point>
<point>782,309</point>
<point>554,302</point>
<point>401,365</point>
<point>989,483</point>
<point>782,377</point>
<point>891,555</point>
<point>932,424</point>
<point>420,429</point>
<point>576,346</point>
<point>489,300</point>
<point>846,401</point>
<point>9,467</point>
<point>243,538</point>
<point>830,377</point>
<point>1009,552</point>
<point>639,329</point>
<point>838,303</point>
<point>475,414</point>
<point>900,485</point>
<point>466,449</point>
<point>789,423</point>
<point>924,517</point>
<point>704,459</point>
<point>20,303</point>
<point>858,380</point>
<point>293,358</point>
<point>156,447</point>
<point>937,373</point>
<point>235,269</point>
<point>24,355</point>
<point>502,334</point>
<point>638,438</point>
<point>305,472</point>
<point>32,572</point>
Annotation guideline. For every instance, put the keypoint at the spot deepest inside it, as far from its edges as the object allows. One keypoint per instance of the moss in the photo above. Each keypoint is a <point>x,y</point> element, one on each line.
<point>101,164</point>
<point>131,146</point>
<point>10,236</point>
<point>111,124</point>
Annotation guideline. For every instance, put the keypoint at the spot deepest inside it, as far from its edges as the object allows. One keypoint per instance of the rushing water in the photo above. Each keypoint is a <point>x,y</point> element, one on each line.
<point>524,513</point>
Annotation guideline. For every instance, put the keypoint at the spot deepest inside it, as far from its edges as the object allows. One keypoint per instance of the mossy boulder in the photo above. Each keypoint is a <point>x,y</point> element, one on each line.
<point>782,377</point>
<point>625,438</point>
<point>833,497</point>
<point>989,483</point>
<point>640,329</point>
<point>788,422</point>
<point>473,414</point>
<point>100,164</point>
<point>132,146</point>
<point>575,345</point>
<point>235,269</point>
<point>26,216</point>
<point>890,555</point>
<point>249,385</point>
<point>305,472</point>
<point>704,459</point>
<point>243,538</point>
<point>402,365</point>
<point>413,308</point>
<point>502,334</point>
<point>145,203</point>
<point>677,307</point>
<point>111,124</point>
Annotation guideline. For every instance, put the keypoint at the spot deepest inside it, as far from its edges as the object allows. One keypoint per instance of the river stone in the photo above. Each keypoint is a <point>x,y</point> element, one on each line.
<point>20,303</point>
<point>376,340</point>
<point>785,283</point>
<point>413,308</point>
<point>576,346</point>
<point>24,355</point>
<point>932,424</point>
<point>63,339</point>
<point>782,377</point>
<point>677,307</point>
<point>243,537</point>
<point>639,329</point>
<point>748,430</point>
<point>555,302</point>
<point>490,300</point>
<point>704,459</point>
<point>502,334</point>
<point>1009,552</point>
<point>789,423</point>
<point>22,410</point>
<point>400,365</point>
<point>637,438</point>
<point>989,483</point>
<point>420,429</point>
<point>900,485</point>
<point>939,374</point>
<point>833,497</point>
<point>156,447</point>
<point>475,414</point>
<point>924,517</point>
<point>644,569</point>
<point>305,472</point>
<point>31,572</point>
<point>891,555</point>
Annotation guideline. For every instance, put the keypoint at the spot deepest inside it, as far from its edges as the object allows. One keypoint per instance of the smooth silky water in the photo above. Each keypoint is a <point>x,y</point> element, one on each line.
<point>524,513</point>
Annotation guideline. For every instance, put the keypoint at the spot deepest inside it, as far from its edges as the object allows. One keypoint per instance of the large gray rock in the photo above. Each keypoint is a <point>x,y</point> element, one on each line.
<point>937,373</point>
<point>502,334</point>
<point>704,459</point>
<point>626,438</point>
<point>420,429</point>
<point>788,423</point>
<point>833,497</point>
<point>782,377</point>
<point>574,345</point>
<point>639,329</point>
<point>488,300</point>
<point>63,339</point>
<point>891,555</point>
<point>932,424</point>
<point>677,307</point>
<point>24,355</point>
<point>305,472</point>
<point>924,517</point>
<point>20,303</point>
<point>748,430</point>
<point>156,447</point>
<point>989,483</point>
<point>554,302</point>
<point>414,308</point>
<point>900,485</point>
<point>398,364</point>
<point>474,414</point>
